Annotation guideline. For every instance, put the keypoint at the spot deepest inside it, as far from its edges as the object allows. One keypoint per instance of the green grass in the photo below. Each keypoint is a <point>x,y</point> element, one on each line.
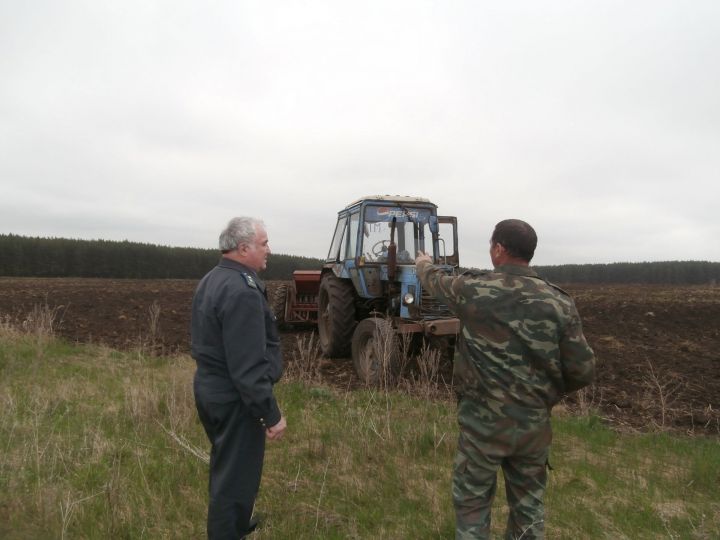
<point>96,443</point>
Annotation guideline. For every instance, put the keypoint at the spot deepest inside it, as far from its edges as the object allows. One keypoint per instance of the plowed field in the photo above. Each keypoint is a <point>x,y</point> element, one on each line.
<point>658,347</point>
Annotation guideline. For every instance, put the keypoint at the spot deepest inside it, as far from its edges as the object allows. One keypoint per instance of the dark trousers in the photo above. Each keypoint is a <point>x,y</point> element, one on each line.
<point>236,460</point>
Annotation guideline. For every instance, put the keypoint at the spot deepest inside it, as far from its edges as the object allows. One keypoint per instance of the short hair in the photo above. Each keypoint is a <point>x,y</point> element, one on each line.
<point>517,237</point>
<point>239,230</point>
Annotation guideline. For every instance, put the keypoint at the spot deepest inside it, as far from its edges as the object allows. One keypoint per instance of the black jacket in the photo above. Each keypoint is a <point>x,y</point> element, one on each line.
<point>235,341</point>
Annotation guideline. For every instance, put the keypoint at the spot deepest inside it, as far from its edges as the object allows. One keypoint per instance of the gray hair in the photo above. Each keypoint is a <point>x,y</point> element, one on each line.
<point>239,230</point>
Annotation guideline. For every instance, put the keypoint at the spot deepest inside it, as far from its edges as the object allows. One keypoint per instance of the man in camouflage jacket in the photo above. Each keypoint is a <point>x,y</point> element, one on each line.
<point>520,350</point>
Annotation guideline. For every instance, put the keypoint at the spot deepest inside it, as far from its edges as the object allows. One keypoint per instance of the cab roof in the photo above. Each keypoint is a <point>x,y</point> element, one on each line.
<point>404,199</point>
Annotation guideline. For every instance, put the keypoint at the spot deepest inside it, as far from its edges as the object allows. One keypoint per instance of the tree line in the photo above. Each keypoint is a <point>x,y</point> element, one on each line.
<point>62,257</point>
<point>666,272</point>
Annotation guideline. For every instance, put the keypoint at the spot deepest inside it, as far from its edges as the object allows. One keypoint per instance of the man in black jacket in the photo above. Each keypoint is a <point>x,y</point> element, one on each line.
<point>236,346</point>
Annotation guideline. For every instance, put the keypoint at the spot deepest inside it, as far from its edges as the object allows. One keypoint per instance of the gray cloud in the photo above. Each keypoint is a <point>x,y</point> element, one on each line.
<point>598,122</point>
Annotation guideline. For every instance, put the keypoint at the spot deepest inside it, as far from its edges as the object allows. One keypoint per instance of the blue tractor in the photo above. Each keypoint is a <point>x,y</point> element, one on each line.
<point>367,300</point>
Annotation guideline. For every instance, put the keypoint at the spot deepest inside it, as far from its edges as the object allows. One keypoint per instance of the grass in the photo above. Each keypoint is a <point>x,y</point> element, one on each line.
<point>96,443</point>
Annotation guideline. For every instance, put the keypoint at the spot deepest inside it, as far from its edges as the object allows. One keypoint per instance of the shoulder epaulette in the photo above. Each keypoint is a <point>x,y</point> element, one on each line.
<point>249,280</point>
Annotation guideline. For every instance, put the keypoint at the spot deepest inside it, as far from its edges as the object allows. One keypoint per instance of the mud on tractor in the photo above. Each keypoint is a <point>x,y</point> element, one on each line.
<point>368,287</point>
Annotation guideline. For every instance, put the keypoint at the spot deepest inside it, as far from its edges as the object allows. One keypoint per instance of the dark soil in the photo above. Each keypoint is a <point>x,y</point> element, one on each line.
<point>658,347</point>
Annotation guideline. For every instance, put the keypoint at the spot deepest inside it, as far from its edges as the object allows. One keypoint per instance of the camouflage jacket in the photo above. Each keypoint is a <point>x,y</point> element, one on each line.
<point>521,341</point>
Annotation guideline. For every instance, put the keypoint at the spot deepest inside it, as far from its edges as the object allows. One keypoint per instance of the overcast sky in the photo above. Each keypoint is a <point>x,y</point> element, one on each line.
<point>155,121</point>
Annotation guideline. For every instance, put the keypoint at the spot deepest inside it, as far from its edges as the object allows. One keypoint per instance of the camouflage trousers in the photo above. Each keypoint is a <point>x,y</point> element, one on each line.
<point>494,435</point>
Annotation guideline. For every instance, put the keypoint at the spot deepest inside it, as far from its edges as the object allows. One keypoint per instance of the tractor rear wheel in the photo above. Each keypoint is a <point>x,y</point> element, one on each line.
<point>336,317</point>
<point>375,351</point>
<point>279,304</point>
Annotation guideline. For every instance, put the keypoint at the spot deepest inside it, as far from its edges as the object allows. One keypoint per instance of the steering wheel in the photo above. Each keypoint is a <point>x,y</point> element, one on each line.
<point>377,248</point>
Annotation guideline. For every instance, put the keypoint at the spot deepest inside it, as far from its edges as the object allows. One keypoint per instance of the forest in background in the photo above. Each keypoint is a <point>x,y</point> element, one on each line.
<point>23,256</point>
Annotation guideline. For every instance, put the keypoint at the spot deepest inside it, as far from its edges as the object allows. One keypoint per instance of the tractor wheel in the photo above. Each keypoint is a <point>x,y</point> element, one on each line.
<point>336,317</point>
<point>375,351</point>
<point>279,304</point>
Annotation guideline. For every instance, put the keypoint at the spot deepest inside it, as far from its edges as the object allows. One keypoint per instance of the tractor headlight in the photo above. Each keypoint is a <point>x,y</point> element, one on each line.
<point>409,298</point>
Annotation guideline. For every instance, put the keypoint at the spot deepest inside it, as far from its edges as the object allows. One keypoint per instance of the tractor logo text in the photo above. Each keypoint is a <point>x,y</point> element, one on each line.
<point>394,212</point>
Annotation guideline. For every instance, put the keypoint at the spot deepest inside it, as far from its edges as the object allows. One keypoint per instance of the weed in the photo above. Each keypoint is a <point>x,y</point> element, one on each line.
<point>427,381</point>
<point>661,390</point>
<point>306,360</point>
<point>43,321</point>
<point>151,344</point>
<point>154,324</point>
<point>7,328</point>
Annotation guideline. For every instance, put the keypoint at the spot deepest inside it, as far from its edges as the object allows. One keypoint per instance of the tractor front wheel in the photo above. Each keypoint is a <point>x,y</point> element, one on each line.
<point>375,351</point>
<point>336,317</point>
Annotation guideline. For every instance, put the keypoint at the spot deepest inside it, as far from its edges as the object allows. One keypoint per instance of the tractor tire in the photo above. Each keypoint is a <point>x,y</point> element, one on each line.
<point>278,305</point>
<point>375,351</point>
<point>336,316</point>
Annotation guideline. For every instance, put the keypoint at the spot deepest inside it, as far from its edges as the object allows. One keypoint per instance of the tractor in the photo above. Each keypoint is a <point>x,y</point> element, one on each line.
<point>368,287</point>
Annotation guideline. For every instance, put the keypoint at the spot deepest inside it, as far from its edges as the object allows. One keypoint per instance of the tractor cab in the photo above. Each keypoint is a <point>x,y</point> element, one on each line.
<point>377,238</point>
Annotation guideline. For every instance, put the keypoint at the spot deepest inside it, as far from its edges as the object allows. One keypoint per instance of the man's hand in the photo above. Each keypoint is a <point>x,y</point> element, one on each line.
<point>422,256</point>
<point>275,432</point>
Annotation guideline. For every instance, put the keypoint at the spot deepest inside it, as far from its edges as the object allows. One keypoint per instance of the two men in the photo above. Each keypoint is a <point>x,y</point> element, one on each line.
<point>521,349</point>
<point>237,350</point>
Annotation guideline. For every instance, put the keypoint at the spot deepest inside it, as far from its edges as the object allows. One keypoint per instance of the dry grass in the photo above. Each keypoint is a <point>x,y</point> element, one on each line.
<point>427,380</point>
<point>80,427</point>
<point>585,402</point>
<point>150,343</point>
<point>306,362</point>
<point>154,325</point>
<point>41,324</point>
<point>416,373</point>
<point>7,328</point>
<point>661,391</point>
<point>43,321</point>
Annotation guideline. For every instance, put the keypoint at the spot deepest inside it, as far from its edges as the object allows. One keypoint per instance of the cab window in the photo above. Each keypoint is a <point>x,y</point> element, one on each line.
<point>447,244</point>
<point>338,240</point>
<point>352,236</point>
